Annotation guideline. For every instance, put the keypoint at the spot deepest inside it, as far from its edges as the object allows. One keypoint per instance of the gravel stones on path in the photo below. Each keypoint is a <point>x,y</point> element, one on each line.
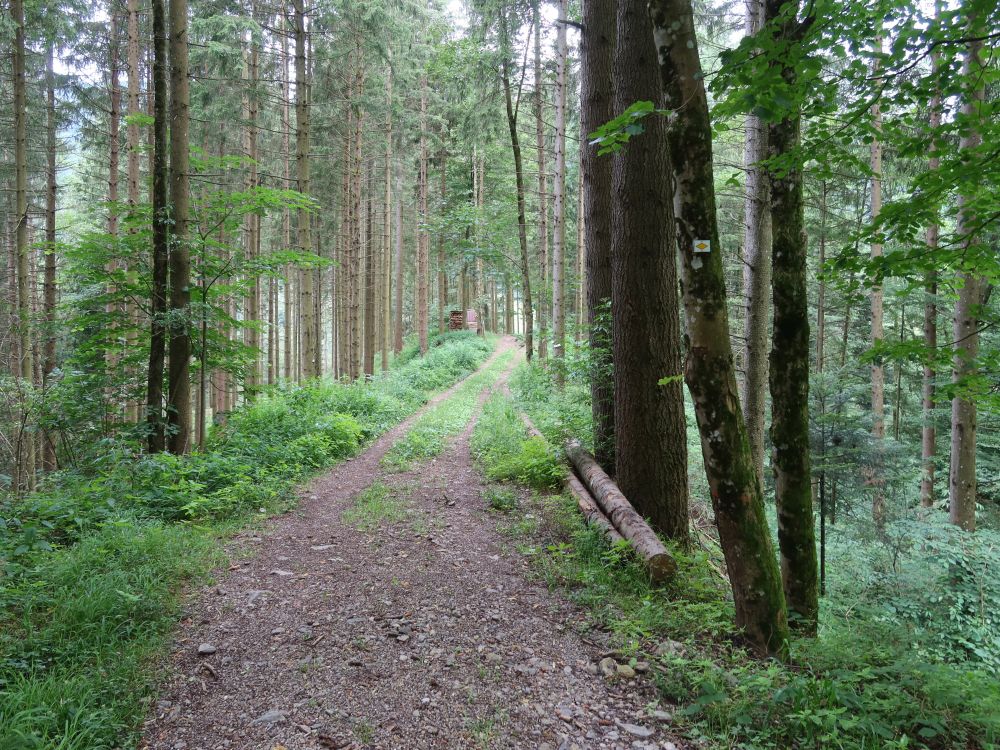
<point>423,633</point>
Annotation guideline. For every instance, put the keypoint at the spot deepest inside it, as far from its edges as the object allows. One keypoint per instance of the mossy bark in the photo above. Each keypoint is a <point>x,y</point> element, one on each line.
<point>735,487</point>
<point>789,361</point>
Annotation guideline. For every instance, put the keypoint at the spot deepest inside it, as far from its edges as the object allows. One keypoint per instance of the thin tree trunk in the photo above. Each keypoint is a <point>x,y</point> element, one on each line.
<point>397,341</point>
<point>252,220</point>
<point>133,178</point>
<point>732,478</point>
<point>756,268</point>
<point>442,275</point>
<point>387,229</point>
<point>49,364</point>
<point>308,354</point>
<point>559,201</point>
<point>113,353</point>
<point>789,363</point>
<point>423,239</point>
<point>161,234</point>
<point>928,430</point>
<point>876,478</point>
<point>179,379</point>
<point>821,291</point>
<point>596,45</point>
<point>650,436</point>
<point>581,281</point>
<point>543,202</point>
<point>370,301</point>
<point>962,472</point>
<point>286,126</point>
<point>522,235</point>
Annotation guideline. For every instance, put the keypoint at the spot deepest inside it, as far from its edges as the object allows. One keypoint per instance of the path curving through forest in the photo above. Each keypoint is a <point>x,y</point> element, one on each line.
<point>387,611</point>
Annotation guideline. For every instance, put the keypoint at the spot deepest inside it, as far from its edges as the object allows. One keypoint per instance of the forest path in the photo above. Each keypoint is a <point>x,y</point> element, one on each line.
<point>409,622</point>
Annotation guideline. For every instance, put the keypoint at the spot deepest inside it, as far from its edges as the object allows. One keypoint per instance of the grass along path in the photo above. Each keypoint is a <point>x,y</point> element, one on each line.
<point>428,437</point>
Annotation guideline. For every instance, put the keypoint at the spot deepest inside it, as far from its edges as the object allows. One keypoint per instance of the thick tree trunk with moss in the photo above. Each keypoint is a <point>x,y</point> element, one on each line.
<point>179,378</point>
<point>522,235</point>
<point>596,50</point>
<point>735,488</point>
<point>789,362</point>
<point>650,430</point>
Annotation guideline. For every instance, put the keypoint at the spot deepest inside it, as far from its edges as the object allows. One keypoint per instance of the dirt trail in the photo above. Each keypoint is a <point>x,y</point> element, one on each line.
<point>425,632</point>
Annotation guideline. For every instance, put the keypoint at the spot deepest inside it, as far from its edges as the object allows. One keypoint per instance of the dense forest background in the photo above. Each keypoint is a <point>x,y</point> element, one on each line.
<point>204,207</point>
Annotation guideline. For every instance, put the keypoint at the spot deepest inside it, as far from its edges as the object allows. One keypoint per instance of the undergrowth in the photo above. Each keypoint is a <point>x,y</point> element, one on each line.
<point>877,677</point>
<point>94,562</point>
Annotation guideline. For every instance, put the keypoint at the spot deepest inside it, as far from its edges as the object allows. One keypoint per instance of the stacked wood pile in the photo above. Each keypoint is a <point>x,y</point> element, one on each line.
<point>456,320</point>
<point>605,507</point>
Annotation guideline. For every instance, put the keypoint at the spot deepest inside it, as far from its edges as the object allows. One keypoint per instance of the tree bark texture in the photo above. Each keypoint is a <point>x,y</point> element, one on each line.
<point>559,199</point>
<point>789,365</point>
<point>596,49</point>
<point>650,434</point>
<point>735,487</point>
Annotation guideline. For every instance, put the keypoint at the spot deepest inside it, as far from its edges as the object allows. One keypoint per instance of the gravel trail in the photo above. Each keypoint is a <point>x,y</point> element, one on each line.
<point>424,630</point>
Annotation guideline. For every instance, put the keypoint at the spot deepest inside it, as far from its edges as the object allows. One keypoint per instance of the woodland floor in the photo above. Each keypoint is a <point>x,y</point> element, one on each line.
<point>418,625</point>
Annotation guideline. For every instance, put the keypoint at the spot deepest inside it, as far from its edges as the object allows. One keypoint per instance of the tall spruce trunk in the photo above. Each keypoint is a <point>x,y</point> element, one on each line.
<point>442,286</point>
<point>22,249</point>
<point>133,189</point>
<point>112,354</point>
<point>49,295</point>
<point>397,339</point>
<point>308,355</point>
<point>543,200</point>
<point>252,220</point>
<point>597,41</point>
<point>387,229</point>
<point>756,268</point>
<point>650,429</point>
<point>161,235</point>
<point>371,303</point>
<point>876,479</point>
<point>522,235</point>
<point>735,487</point>
<point>966,322</point>
<point>559,200</point>
<point>789,364</point>
<point>423,239</point>
<point>179,377</point>
<point>928,430</point>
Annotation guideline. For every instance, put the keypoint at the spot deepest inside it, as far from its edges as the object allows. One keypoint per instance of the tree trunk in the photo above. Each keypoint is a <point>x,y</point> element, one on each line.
<point>161,234</point>
<point>756,268</point>
<point>370,277</point>
<point>876,478</point>
<point>596,46</point>
<point>252,220</point>
<point>179,379</point>
<point>442,275</point>
<point>423,240</point>
<point>134,177</point>
<point>650,428</point>
<point>397,342</point>
<point>559,200</point>
<point>113,353</point>
<point>522,235</point>
<point>962,472</point>
<point>616,506</point>
<point>308,355</point>
<point>387,229</point>
<point>732,477</point>
<point>928,430</point>
<point>821,291</point>
<point>543,203</point>
<point>581,283</point>
<point>789,363</point>
<point>286,127</point>
<point>49,364</point>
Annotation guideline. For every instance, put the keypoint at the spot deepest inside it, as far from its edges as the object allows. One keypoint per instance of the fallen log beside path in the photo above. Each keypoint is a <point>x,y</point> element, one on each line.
<point>659,562</point>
